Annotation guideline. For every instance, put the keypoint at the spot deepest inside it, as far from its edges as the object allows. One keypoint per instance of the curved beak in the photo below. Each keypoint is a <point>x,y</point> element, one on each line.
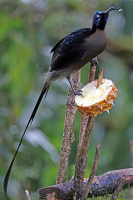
<point>113,8</point>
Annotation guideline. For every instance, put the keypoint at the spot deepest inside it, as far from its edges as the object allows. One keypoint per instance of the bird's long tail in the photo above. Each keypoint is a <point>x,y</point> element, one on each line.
<point>44,91</point>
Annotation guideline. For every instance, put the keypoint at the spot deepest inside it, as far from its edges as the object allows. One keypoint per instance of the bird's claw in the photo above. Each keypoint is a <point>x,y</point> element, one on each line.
<point>94,62</point>
<point>79,93</point>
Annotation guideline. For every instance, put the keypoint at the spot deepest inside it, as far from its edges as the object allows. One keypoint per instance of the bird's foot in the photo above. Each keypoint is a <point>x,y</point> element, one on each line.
<point>79,93</point>
<point>94,62</point>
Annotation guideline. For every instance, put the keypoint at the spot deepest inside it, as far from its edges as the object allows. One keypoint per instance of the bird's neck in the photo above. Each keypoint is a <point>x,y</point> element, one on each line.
<point>101,26</point>
<point>93,29</point>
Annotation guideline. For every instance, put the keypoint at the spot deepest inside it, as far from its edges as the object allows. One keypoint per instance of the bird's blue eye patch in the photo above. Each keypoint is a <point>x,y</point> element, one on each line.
<point>98,15</point>
<point>99,12</point>
<point>98,22</point>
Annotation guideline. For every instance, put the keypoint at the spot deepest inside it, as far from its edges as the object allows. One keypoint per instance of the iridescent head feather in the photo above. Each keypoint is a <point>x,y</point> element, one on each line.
<point>100,18</point>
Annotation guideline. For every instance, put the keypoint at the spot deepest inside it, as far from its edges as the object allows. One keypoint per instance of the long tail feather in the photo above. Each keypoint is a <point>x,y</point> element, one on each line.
<point>44,91</point>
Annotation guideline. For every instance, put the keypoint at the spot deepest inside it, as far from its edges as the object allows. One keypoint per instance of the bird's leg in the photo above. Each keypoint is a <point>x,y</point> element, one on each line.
<point>94,62</point>
<point>74,91</point>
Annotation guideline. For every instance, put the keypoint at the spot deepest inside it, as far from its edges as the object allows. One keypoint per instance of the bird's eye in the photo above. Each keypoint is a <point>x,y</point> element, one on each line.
<point>98,16</point>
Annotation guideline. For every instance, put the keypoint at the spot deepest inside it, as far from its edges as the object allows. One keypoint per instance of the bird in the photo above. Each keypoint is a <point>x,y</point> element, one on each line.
<point>70,54</point>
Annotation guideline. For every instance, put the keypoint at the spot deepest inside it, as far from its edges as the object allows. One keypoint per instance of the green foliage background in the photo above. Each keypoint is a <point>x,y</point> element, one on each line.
<point>28,30</point>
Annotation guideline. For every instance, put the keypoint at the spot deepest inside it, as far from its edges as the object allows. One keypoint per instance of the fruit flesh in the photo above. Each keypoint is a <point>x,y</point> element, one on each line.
<point>92,94</point>
<point>96,100</point>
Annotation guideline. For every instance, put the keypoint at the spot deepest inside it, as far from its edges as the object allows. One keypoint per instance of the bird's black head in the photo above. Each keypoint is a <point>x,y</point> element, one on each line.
<point>100,18</point>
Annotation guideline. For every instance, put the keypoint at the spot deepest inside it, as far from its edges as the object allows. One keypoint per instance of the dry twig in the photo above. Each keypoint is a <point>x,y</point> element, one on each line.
<point>93,171</point>
<point>68,131</point>
<point>118,188</point>
<point>85,118</point>
<point>83,149</point>
<point>82,156</point>
<point>92,72</point>
<point>100,77</point>
<point>27,194</point>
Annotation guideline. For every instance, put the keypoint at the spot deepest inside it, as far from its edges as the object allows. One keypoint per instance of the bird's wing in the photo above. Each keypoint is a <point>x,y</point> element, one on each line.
<point>69,49</point>
<point>56,45</point>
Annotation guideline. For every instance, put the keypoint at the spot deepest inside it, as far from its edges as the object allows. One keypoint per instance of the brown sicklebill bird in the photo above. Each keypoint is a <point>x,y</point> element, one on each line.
<point>70,54</point>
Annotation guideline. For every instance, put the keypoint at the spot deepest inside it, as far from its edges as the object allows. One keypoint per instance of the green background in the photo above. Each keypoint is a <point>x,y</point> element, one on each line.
<point>28,31</point>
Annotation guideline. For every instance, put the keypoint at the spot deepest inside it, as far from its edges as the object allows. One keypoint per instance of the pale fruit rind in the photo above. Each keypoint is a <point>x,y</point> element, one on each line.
<point>96,100</point>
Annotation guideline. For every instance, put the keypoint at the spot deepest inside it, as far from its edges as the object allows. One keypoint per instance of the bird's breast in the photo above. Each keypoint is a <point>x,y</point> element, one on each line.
<point>94,45</point>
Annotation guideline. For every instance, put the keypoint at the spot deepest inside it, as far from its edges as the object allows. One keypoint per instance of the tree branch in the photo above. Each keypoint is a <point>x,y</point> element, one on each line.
<point>84,119</point>
<point>84,143</point>
<point>118,188</point>
<point>82,156</point>
<point>27,194</point>
<point>68,131</point>
<point>100,77</point>
<point>102,185</point>
<point>93,171</point>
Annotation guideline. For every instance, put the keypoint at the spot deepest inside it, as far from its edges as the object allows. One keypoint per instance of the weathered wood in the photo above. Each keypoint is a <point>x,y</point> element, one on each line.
<point>68,130</point>
<point>100,78</point>
<point>92,174</point>
<point>84,139</point>
<point>102,185</point>
<point>82,155</point>
<point>84,119</point>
